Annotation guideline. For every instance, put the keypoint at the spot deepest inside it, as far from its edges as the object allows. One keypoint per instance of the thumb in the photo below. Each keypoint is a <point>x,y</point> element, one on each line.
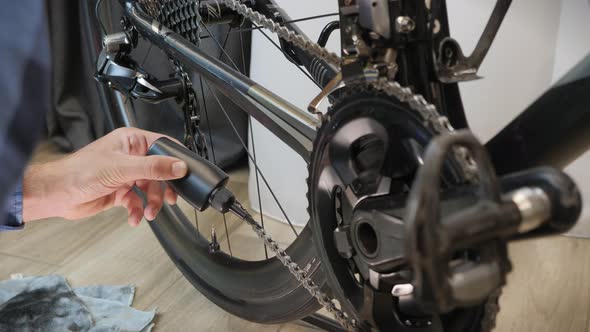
<point>152,168</point>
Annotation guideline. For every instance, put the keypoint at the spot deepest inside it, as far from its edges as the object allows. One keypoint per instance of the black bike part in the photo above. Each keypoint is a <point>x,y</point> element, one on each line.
<point>563,193</point>
<point>553,131</point>
<point>431,243</point>
<point>450,102</point>
<point>453,66</point>
<point>164,90</point>
<point>327,31</point>
<point>202,179</point>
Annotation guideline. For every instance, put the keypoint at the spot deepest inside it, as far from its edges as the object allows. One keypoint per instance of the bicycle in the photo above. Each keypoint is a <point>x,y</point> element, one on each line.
<point>395,252</point>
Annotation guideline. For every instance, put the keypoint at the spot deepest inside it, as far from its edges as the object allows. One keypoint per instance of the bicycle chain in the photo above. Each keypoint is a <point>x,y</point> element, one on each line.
<point>283,32</point>
<point>194,137</point>
<point>416,102</point>
<point>300,274</point>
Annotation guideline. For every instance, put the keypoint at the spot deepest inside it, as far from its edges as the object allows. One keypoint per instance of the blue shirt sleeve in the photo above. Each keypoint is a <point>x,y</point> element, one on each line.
<point>24,93</point>
<point>14,220</point>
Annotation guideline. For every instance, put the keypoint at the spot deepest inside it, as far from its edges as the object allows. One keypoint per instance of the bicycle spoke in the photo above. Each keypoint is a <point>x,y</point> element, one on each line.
<point>289,57</point>
<point>257,184</point>
<point>227,236</point>
<point>252,159</point>
<point>214,159</point>
<point>221,48</point>
<point>253,148</point>
<point>223,52</point>
<point>224,43</point>
<point>146,55</point>
<point>196,220</point>
<point>243,55</point>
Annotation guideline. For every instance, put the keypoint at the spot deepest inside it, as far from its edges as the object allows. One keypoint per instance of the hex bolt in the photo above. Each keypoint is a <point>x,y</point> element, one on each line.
<point>404,24</point>
<point>402,290</point>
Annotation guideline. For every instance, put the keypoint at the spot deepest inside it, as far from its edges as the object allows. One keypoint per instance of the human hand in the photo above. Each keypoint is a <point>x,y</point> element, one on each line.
<point>100,176</point>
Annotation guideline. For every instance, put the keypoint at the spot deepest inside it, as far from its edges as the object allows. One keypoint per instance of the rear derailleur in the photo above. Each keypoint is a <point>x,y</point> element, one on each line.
<point>119,71</point>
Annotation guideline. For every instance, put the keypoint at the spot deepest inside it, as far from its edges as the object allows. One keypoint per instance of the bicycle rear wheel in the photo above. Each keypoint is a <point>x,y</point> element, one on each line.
<point>260,289</point>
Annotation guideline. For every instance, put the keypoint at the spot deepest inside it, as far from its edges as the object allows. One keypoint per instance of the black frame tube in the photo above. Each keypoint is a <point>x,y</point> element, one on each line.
<point>293,126</point>
<point>553,131</point>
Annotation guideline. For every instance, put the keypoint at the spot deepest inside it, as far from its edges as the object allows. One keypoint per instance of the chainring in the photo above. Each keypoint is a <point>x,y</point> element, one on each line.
<point>358,113</point>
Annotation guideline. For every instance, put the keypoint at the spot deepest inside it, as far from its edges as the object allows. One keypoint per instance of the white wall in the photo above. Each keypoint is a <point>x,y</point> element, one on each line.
<point>518,68</point>
<point>573,39</point>
<point>573,43</point>
<point>519,65</point>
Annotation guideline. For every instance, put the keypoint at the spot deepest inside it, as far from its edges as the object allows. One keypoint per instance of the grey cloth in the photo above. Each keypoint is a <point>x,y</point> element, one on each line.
<point>48,303</point>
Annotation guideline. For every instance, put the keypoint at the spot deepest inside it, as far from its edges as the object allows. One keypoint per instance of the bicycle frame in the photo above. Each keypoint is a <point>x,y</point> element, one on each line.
<point>554,130</point>
<point>292,125</point>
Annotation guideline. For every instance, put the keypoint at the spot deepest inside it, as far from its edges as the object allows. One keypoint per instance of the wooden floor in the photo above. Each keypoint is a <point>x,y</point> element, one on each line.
<point>549,289</point>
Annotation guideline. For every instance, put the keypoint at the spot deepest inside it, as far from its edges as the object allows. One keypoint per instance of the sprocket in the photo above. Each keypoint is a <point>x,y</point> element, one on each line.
<point>181,16</point>
<point>368,148</point>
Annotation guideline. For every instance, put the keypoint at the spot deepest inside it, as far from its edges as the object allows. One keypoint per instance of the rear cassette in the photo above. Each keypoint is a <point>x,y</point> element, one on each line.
<point>180,16</point>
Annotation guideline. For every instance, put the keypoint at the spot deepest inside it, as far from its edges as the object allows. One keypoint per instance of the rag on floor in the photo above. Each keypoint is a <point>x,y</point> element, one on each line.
<point>48,303</point>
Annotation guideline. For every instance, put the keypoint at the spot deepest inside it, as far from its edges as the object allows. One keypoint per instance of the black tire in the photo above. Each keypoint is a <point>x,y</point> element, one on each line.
<point>260,291</point>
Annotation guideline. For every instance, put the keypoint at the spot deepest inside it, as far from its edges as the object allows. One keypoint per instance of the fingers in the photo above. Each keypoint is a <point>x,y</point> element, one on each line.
<point>155,199</point>
<point>136,141</point>
<point>133,168</point>
<point>134,207</point>
<point>151,137</point>
<point>170,196</point>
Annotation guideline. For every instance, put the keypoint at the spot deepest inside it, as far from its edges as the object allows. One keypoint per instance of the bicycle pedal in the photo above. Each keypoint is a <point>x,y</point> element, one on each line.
<point>459,257</point>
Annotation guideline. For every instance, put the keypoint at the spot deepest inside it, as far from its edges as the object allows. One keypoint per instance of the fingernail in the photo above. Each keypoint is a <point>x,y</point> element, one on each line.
<point>179,168</point>
<point>133,216</point>
<point>152,211</point>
